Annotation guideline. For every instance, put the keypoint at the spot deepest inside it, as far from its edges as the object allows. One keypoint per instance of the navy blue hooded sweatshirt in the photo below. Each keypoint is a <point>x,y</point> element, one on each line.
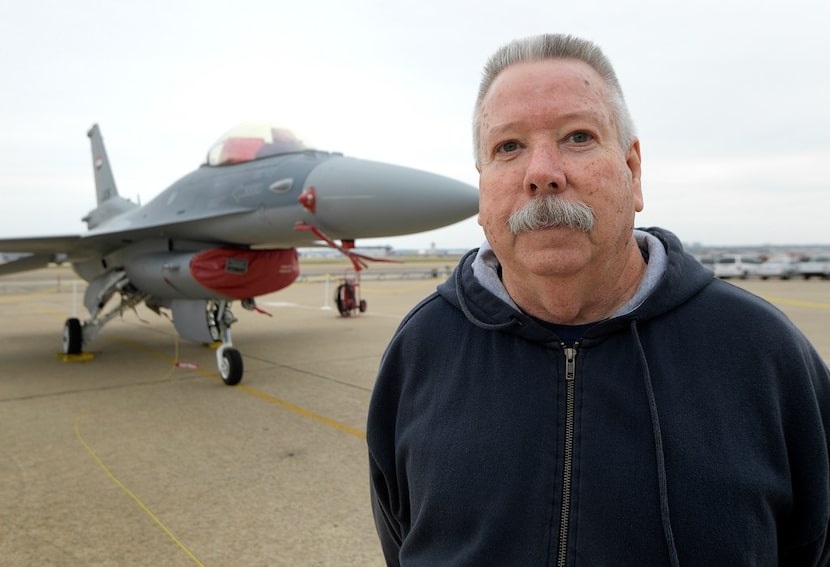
<point>691,431</point>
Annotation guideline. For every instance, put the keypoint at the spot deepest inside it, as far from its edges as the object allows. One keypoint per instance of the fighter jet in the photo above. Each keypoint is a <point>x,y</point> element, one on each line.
<point>230,230</point>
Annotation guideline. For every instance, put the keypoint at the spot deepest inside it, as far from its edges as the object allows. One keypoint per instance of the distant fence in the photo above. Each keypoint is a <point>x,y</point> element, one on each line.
<point>58,283</point>
<point>61,281</point>
<point>379,275</point>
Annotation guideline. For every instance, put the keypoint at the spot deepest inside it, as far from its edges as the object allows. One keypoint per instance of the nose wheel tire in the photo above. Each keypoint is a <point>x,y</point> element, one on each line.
<point>72,336</point>
<point>230,367</point>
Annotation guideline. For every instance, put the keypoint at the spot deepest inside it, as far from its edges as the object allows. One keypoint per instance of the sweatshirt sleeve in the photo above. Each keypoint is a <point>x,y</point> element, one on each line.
<point>810,465</point>
<point>388,530</point>
<point>380,437</point>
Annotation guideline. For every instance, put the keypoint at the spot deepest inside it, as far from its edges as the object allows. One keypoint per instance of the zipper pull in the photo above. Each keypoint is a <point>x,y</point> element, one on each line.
<point>570,364</point>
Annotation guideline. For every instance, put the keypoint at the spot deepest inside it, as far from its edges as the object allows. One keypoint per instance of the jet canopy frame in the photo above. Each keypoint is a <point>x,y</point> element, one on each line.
<point>253,140</point>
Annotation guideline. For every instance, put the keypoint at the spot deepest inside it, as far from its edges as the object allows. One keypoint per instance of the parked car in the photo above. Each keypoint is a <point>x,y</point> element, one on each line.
<point>782,267</point>
<point>708,261</point>
<point>737,266</point>
<point>818,265</point>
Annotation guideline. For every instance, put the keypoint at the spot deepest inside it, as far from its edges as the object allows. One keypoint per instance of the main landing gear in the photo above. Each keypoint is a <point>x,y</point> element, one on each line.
<point>220,318</point>
<point>198,320</point>
<point>73,338</point>
<point>77,334</point>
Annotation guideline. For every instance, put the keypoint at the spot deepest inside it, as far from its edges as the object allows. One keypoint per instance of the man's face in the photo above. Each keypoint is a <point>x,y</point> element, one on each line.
<point>546,128</point>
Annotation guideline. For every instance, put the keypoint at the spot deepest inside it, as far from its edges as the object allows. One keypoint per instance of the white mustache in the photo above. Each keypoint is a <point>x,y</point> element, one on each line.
<point>550,210</point>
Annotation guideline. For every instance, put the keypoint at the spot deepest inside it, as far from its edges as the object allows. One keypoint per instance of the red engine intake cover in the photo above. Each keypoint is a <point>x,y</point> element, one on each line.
<point>243,274</point>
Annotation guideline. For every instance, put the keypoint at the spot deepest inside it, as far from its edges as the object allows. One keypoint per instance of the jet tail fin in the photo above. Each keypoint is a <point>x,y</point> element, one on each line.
<point>110,203</point>
<point>104,180</point>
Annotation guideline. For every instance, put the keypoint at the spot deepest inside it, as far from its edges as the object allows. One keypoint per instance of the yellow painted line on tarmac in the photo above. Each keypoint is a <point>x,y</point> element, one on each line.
<point>47,311</point>
<point>144,508</point>
<point>796,302</point>
<point>302,411</point>
<point>26,296</point>
<point>334,424</point>
<point>115,480</point>
<point>339,426</point>
<point>248,390</point>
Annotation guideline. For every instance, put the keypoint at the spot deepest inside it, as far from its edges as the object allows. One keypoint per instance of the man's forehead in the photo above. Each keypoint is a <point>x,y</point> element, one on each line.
<point>566,75</point>
<point>561,88</point>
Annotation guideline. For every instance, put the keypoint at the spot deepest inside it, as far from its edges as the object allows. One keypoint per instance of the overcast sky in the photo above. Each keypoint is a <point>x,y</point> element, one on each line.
<point>731,98</point>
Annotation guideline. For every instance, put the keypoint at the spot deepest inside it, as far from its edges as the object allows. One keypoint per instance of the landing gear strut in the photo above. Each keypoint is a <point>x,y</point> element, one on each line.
<point>228,359</point>
<point>77,334</point>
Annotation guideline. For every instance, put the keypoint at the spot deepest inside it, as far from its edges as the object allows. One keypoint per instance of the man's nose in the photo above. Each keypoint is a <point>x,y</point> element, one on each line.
<point>545,172</point>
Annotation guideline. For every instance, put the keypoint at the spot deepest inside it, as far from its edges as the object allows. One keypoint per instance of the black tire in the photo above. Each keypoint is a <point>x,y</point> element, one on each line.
<point>230,370</point>
<point>341,307</point>
<point>73,337</point>
<point>344,298</point>
<point>362,306</point>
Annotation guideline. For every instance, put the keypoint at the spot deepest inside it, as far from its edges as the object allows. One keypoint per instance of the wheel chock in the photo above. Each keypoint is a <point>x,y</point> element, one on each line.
<point>81,357</point>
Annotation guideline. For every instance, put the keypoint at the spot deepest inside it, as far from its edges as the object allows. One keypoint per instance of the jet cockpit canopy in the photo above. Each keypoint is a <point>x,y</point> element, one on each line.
<point>253,140</point>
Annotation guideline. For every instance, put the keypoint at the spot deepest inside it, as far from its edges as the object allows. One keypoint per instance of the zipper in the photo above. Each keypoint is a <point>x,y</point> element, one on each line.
<point>567,465</point>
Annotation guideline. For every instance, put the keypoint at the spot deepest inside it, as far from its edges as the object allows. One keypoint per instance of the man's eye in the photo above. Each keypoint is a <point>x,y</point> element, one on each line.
<point>581,137</point>
<point>507,147</point>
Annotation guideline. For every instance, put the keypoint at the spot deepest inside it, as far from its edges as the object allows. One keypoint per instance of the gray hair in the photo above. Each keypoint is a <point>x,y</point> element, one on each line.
<point>555,46</point>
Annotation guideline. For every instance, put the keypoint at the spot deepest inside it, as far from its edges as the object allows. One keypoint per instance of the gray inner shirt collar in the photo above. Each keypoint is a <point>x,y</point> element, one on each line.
<point>486,265</point>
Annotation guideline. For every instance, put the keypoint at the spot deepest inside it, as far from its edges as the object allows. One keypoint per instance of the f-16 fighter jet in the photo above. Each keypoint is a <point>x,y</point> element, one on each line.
<point>230,230</point>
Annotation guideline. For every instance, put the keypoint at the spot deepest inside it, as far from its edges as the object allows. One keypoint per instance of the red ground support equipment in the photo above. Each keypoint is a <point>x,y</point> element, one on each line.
<point>347,297</point>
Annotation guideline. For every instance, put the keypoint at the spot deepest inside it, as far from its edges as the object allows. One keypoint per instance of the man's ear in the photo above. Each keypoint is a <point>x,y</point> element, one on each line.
<point>633,160</point>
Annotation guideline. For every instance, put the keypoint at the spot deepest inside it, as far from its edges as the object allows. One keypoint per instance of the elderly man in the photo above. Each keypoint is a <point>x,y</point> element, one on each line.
<point>583,393</point>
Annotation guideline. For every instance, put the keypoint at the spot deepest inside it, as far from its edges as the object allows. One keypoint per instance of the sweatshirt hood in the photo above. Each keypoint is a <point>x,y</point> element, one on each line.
<point>492,309</point>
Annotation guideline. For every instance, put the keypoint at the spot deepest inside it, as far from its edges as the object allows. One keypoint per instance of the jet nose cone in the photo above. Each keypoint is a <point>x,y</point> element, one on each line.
<point>356,198</point>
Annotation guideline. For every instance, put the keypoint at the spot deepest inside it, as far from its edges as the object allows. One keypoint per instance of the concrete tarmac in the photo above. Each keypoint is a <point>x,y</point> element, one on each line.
<point>141,456</point>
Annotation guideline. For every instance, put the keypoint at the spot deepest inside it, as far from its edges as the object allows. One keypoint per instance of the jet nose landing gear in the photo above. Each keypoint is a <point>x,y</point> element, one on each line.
<point>228,359</point>
<point>229,362</point>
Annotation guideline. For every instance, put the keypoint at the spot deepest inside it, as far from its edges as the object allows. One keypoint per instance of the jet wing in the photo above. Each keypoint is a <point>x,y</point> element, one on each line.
<point>41,250</point>
<point>40,244</point>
